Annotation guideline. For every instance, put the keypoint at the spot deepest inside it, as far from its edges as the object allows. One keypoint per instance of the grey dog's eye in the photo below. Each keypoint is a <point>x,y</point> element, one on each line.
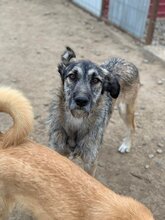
<point>73,76</point>
<point>95,81</point>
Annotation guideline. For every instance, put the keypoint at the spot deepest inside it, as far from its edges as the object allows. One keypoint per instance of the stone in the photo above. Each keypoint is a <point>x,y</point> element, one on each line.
<point>160,145</point>
<point>147,166</point>
<point>159,151</point>
<point>106,35</point>
<point>150,156</point>
<point>37,116</point>
<point>159,82</point>
<point>97,53</point>
<point>145,61</point>
<point>142,108</point>
<point>139,126</point>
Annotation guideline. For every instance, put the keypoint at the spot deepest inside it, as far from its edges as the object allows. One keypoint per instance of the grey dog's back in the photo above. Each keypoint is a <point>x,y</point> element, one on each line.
<point>127,72</point>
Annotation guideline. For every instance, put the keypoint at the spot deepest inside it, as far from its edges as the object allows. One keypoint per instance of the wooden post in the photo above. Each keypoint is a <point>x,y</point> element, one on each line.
<point>152,21</point>
<point>105,7</point>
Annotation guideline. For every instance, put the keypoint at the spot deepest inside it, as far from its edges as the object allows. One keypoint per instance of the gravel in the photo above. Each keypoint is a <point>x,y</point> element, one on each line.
<point>159,33</point>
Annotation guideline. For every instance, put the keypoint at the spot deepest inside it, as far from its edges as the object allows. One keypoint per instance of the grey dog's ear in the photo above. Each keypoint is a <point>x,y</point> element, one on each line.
<point>111,85</point>
<point>65,60</point>
<point>67,56</point>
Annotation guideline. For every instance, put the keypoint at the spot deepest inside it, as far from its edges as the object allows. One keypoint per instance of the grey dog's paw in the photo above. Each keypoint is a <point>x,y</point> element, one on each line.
<point>124,148</point>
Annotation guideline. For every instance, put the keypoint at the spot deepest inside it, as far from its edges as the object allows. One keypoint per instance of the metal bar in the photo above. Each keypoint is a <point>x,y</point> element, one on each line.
<point>102,9</point>
<point>152,20</point>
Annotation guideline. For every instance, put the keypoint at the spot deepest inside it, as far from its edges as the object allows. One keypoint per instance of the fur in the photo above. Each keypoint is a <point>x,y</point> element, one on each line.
<point>88,94</point>
<point>37,183</point>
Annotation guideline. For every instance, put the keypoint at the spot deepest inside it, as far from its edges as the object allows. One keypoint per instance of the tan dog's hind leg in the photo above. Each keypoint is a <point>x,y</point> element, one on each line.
<point>5,208</point>
<point>127,114</point>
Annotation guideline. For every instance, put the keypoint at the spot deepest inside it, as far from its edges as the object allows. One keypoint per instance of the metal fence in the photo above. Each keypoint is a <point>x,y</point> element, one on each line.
<point>93,6</point>
<point>130,15</point>
<point>138,18</point>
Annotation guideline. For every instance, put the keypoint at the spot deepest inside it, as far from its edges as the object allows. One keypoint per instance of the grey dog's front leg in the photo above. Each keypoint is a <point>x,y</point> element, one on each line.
<point>89,148</point>
<point>89,156</point>
<point>90,167</point>
<point>58,140</point>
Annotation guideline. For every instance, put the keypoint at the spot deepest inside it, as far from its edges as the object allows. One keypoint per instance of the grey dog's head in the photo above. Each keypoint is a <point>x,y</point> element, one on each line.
<point>84,82</point>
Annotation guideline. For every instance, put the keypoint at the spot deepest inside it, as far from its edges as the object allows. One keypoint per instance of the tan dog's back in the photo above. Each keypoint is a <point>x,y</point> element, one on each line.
<point>52,187</point>
<point>39,182</point>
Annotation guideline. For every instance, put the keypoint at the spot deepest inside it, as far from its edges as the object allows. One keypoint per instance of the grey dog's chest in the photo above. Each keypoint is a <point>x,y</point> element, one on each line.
<point>73,127</point>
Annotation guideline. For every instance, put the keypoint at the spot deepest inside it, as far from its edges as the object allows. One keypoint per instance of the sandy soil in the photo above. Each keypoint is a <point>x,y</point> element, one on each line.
<point>33,33</point>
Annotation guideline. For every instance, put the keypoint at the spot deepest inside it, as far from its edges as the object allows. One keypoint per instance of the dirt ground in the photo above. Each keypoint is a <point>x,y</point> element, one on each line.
<point>33,33</point>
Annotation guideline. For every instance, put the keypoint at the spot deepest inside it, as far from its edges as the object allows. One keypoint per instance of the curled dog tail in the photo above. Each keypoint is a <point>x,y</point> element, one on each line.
<point>19,108</point>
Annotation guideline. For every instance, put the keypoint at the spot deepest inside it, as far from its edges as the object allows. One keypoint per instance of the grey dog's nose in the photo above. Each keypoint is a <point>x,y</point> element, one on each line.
<point>81,101</point>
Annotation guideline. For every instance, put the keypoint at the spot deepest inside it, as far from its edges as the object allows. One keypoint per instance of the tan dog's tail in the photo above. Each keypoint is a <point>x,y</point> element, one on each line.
<point>19,108</point>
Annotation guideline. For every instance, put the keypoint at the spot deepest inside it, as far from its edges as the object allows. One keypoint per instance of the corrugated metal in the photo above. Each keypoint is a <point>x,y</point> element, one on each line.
<point>130,15</point>
<point>161,8</point>
<point>93,6</point>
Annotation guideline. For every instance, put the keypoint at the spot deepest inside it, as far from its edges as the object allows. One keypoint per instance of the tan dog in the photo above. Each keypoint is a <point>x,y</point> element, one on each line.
<point>38,182</point>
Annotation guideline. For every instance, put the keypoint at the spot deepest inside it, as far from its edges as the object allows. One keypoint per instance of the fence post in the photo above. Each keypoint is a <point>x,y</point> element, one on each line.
<point>152,21</point>
<point>105,7</point>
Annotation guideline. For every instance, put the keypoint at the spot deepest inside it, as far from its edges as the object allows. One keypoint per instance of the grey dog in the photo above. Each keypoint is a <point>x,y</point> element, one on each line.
<point>82,107</point>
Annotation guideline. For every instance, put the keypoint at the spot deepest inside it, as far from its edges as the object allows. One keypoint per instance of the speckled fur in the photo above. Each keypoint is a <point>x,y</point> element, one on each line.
<point>81,135</point>
<point>37,183</point>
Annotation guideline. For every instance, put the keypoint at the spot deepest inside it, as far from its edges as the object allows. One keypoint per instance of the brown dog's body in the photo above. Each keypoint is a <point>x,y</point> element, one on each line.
<point>38,182</point>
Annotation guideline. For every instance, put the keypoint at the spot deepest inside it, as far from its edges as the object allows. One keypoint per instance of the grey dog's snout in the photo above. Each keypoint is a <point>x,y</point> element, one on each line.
<point>81,101</point>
